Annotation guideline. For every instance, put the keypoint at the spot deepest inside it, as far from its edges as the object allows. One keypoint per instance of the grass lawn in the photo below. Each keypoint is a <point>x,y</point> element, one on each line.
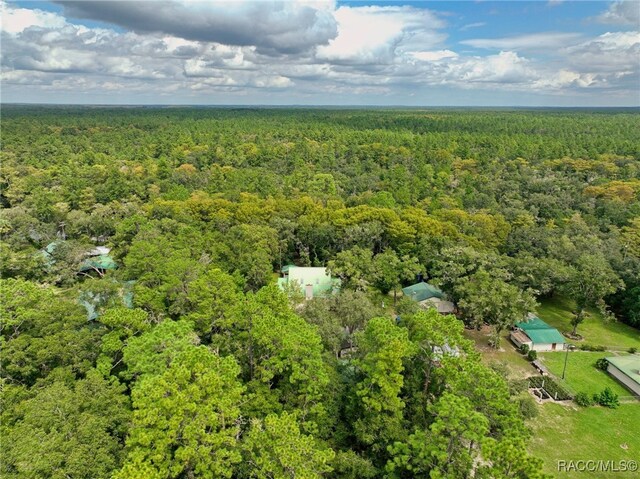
<point>594,433</point>
<point>517,364</point>
<point>613,335</point>
<point>581,374</point>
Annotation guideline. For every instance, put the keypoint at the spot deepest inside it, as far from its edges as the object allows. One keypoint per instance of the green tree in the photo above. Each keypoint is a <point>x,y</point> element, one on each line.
<point>508,459</point>
<point>383,350</point>
<point>185,419</point>
<point>213,295</point>
<point>353,267</point>
<point>592,280</point>
<point>275,448</point>
<point>448,448</point>
<point>154,351</point>
<point>390,271</point>
<point>67,429</point>
<point>486,298</point>
<point>42,330</point>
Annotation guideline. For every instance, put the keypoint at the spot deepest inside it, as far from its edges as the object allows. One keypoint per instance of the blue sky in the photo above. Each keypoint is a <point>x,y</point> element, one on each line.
<point>476,53</point>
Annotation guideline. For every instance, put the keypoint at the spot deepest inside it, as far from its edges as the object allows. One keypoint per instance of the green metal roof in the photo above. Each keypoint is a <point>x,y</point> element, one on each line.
<point>545,336</point>
<point>104,261</point>
<point>533,323</point>
<point>422,291</point>
<point>540,332</point>
<point>321,281</point>
<point>630,365</point>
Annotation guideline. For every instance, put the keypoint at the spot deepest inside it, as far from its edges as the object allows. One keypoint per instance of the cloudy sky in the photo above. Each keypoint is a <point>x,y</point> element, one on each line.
<point>544,53</point>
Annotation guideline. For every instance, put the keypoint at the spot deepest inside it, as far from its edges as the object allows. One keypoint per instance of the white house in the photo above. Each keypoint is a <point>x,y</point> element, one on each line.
<point>538,335</point>
<point>626,369</point>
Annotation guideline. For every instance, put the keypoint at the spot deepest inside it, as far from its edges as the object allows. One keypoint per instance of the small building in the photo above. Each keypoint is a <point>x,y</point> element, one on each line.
<point>537,334</point>
<point>626,369</point>
<point>314,281</point>
<point>100,264</point>
<point>429,296</point>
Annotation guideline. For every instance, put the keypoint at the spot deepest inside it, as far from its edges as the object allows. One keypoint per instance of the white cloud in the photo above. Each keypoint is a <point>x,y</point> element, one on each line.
<point>535,41</point>
<point>505,67</point>
<point>375,34</point>
<point>625,12</point>
<point>377,51</point>
<point>608,54</point>
<point>15,20</point>
<point>434,56</point>
<point>469,26</point>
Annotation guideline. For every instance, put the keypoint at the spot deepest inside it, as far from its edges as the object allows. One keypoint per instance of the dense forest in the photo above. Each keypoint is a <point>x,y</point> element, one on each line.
<point>191,362</point>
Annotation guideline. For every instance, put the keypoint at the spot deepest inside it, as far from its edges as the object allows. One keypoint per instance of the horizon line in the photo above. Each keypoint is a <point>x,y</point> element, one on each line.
<point>303,105</point>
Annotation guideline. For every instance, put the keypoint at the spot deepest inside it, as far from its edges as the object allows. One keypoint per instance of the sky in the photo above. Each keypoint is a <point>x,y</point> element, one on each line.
<point>465,53</point>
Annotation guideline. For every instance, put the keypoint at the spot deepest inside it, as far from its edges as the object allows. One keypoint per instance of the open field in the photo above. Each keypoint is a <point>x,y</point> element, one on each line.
<point>581,373</point>
<point>595,433</point>
<point>613,335</point>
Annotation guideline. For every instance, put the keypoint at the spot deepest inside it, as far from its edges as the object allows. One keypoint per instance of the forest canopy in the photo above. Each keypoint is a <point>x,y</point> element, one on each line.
<point>191,362</point>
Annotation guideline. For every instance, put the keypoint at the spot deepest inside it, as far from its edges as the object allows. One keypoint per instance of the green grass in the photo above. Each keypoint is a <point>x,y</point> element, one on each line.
<point>595,433</point>
<point>516,363</point>
<point>595,331</point>
<point>581,374</point>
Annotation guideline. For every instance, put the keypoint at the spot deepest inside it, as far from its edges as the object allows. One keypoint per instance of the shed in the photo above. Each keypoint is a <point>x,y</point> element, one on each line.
<point>626,369</point>
<point>313,281</point>
<point>537,334</point>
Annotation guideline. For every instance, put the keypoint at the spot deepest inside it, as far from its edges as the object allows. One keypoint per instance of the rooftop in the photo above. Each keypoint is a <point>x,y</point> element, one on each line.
<point>539,331</point>
<point>98,262</point>
<point>630,365</point>
<point>318,277</point>
<point>422,291</point>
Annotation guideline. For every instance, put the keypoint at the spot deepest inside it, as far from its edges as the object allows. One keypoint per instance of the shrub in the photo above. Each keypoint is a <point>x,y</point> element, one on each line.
<point>591,347</point>
<point>583,399</point>
<point>632,350</point>
<point>524,349</point>
<point>607,398</point>
<point>602,363</point>
<point>528,407</point>
<point>532,355</point>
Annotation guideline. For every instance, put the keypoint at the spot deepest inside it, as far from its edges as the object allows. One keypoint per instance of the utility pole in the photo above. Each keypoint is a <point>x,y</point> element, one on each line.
<point>566,357</point>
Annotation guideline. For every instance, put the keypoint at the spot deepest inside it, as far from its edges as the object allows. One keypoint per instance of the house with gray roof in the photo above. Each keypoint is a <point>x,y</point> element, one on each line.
<point>626,369</point>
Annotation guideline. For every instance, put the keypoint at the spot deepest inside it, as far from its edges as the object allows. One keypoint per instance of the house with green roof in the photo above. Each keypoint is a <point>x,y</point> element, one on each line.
<point>626,369</point>
<point>99,264</point>
<point>312,281</point>
<point>537,334</point>
<point>98,259</point>
<point>429,296</point>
